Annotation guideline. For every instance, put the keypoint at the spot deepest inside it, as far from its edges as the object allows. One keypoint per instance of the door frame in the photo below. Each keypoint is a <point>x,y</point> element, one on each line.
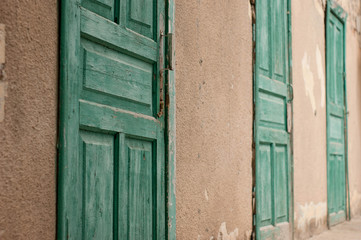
<point>67,95</point>
<point>291,160</point>
<point>333,8</point>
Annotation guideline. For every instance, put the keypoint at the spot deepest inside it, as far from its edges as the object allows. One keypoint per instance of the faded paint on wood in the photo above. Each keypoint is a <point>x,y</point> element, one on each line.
<point>112,168</point>
<point>272,139</point>
<point>336,112</point>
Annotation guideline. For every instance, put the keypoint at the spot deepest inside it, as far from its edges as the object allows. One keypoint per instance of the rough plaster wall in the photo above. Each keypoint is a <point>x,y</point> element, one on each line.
<point>310,179</point>
<point>28,132</point>
<point>214,119</point>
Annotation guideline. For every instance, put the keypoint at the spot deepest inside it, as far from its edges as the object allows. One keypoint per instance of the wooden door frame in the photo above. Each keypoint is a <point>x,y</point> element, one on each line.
<point>68,110</point>
<point>290,75</point>
<point>335,9</point>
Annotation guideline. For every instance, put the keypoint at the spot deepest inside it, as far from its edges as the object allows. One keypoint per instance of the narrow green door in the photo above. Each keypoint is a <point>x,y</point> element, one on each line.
<point>336,154</point>
<point>112,149</point>
<point>271,131</point>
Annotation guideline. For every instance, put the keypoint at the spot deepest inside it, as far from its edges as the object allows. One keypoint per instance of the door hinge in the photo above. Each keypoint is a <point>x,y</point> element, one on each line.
<point>289,117</point>
<point>289,108</point>
<point>290,92</point>
<point>170,43</point>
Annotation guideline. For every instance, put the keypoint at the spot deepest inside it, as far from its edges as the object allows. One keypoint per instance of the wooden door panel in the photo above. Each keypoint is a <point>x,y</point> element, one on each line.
<point>281,183</point>
<point>265,184</point>
<point>119,75</point>
<point>120,38</point>
<point>271,137</point>
<point>272,110</point>
<point>97,155</point>
<point>139,16</point>
<point>104,8</point>
<point>279,43</point>
<point>113,138</point>
<point>336,183</point>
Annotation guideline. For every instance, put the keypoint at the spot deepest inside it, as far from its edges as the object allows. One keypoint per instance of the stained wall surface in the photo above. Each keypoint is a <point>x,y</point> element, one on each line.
<point>310,175</point>
<point>214,119</point>
<point>28,131</point>
<point>309,78</point>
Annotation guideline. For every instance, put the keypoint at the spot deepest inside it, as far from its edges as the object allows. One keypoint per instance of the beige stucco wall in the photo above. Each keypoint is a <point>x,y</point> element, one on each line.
<point>310,176</point>
<point>28,132</point>
<point>214,119</point>
<point>310,172</point>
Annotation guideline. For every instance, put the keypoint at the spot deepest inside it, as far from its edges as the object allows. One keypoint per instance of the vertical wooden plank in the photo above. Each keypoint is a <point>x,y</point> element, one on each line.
<point>98,173</point>
<point>123,189</point>
<point>69,205</point>
<point>171,134</point>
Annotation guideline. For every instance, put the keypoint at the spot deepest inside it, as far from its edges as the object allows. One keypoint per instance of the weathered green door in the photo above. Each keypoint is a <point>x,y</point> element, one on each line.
<point>336,183</point>
<point>271,135</point>
<point>112,149</point>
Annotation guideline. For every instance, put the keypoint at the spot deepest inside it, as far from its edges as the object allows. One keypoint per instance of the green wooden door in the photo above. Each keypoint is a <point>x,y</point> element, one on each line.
<point>272,139</point>
<point>112,148</point>
<point>336,154</point>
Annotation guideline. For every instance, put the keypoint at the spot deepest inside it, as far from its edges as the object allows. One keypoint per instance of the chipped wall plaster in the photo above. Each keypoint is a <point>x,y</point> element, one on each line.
<point>352,7</point>
<point>308,81</point>
<point>321,76</point>
<point>249,10</point>
<point>355,202</point>
<point>310,219</point>
<point>3,95</point>
<point>224,235</point>
<point>320,6</point>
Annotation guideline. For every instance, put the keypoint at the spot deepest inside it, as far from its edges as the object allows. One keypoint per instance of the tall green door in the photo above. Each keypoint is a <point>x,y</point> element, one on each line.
<point>271,131</point>
<point>111,147</point>
<point>336,111</point>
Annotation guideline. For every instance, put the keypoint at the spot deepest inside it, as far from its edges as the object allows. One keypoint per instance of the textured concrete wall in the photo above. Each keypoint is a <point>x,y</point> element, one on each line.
<point>28,131</point>
<point>214,119</point>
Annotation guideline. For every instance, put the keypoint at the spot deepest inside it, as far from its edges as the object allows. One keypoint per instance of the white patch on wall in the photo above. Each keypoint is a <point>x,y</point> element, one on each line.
<point>310,216</point>
<point>320,6</point>
<point>206,194</point>
<point>224,235</point>
<point>355,202</point>
<point>308,80</point>
<point>321,75</point>
<point>249,10</point>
